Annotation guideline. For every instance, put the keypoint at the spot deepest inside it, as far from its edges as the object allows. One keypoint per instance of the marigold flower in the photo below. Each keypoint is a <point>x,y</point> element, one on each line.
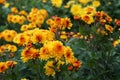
<point>58,49</point>
<point>109,28</point>
<point>96,3</point>
<point>2,1</point>
<point>76,63</point>
<point>10,63</point>
<point>14,10</point>
<point>3,67</point>
<point>57,3</point>
<point>28,54</point>
<point>45,53</point>
<point>49,68</point>
<point>23,12</point>
<point>76,9</point>
<point>88,19</point>
<point>84,1</point>
<point>68,55</point>
<point>117,22</point>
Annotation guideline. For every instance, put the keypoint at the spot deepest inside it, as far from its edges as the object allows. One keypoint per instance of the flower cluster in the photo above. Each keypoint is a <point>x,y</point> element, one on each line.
<point>37,16</point>
<point>34,36</point>
<point>6,65</point>
<point>8,35</point>
<point>8,48</point>
<point>59,23</point>
<point>56,54</point>
<point>16,19</point>
<point>103,17</point>
<point>29,53</point>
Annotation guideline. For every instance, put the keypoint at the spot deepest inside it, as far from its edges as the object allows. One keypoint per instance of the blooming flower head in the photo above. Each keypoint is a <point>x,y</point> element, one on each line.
<point>10,63</point>
<point>49,68</point>
<point>88,19</point>
<point>68,55</point>
<point>84,1</point>
<point>96,3</point>
<point>56,3</point>
<point>2,1</point>
<point>28,54</point>
<point>76,9</point>
<point>109,28</point>
<point>3,67</point>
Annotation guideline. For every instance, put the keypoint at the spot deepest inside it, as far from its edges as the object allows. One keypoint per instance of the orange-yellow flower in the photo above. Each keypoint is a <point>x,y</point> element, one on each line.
<point>14,10</point>
<point>10,63</point>
<point>109,28</point>
<point>3,67</point>
<point>68,55</point>
<point>49,68</point>
<point>58,49</point>
<point>2,1</point>
<point>88,19</point>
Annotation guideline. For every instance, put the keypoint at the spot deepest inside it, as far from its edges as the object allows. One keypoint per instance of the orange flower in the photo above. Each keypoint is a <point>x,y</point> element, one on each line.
<point>117,22</point>
<point>10,64</point>
<point>14,10</point>
<point>2,1</point>
<point>3,67</point>
<point>109,28</point>
<point>70,68</point>
<point>88,19</point>
<point>58,49</point>
<point>76,63</point>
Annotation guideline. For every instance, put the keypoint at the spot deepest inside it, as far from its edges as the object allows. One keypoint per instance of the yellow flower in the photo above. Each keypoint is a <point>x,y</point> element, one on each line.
<point>56,3</point>
<point>15,19</point>
<point>68,55</point>
<point>28,54</point>
<point>21,19</point>
<point>12,48</point>
<point>9,17</point>
<point>76,9</point>
<point>45,53</point>
<point>115,43</point>
<point>58,65</point>
<point>31,25</point>
<point>96,3</point>
<point>24,27</point>
<point>6,5</point>
<point>49,68</point>
<point>109,28</point>
<point>14,10</point>
<point>21,39</point>
<point>58,49</point>
<point>43,12</point>
<point>23,13</point>
<point>38,37</point>
<point>8,35</point>
<point>90,10</point>
<point>84,1</point>
<point>104,32</point>
<point>88,19</point>
<point>24,79</point>
<point>67,23</point>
